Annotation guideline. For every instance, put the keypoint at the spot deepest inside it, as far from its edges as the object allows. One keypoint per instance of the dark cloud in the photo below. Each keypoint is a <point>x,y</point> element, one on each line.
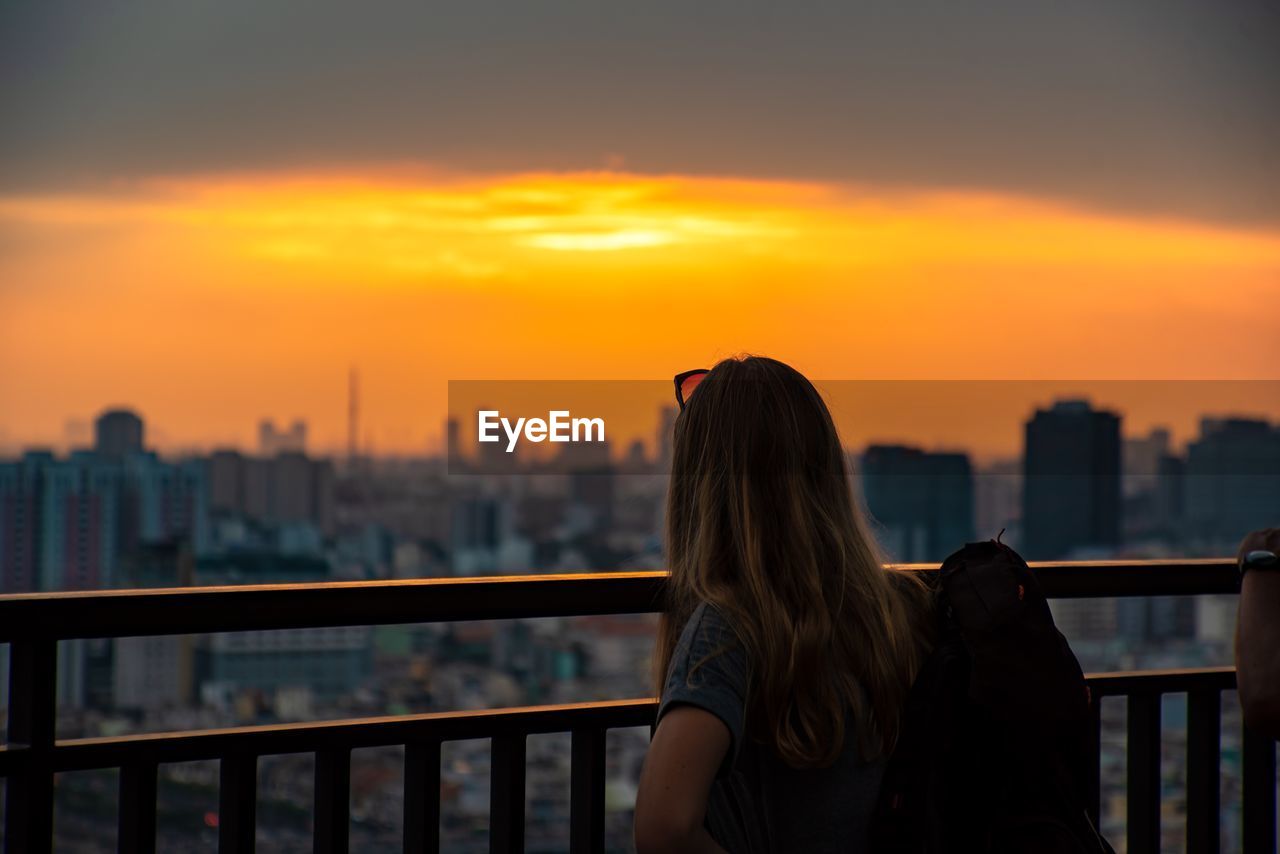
<point>1166,107</point>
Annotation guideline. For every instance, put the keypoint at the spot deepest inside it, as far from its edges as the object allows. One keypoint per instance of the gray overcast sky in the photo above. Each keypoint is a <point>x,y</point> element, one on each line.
<point>1169,107</point>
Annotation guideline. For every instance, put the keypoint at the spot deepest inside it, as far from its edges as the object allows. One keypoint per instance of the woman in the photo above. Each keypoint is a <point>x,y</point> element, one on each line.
<point>786,650</point>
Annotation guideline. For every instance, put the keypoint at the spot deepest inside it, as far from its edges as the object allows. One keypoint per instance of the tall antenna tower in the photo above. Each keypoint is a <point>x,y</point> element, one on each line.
<point>353,417</point>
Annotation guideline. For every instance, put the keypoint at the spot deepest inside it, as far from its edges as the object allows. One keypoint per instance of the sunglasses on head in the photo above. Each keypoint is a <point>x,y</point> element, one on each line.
<point>686,382</point>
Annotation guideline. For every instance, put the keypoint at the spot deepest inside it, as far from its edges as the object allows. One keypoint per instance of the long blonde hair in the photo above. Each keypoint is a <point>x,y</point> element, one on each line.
<point>761,523</point>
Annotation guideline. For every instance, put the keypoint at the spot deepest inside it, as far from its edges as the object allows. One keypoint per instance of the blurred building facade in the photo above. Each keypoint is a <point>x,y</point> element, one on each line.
<point>287,488</point>
<point>1071,481</point>
<point>922,502</point>
<point>274,440</point>
<point>118,433</point>
<point>1232,482</point>
<point>67,523</point>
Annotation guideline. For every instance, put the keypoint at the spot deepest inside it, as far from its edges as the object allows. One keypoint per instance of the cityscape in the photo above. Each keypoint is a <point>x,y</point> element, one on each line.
<point>268,270</point>
<point>116,514</point>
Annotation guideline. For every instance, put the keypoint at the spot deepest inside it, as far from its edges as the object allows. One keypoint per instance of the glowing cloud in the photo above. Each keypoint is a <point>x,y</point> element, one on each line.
<point>211,301</point>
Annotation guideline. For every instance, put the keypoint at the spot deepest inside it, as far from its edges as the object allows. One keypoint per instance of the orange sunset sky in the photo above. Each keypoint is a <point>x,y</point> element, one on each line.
<point>210,280</point>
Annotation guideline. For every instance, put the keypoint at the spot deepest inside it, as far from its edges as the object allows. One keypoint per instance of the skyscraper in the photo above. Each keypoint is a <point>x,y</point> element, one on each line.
<point>1071,481</point>
<point>1141,456</point>
<point>997,500</point>
<point>287,488</point>
<point>922,501</point>
<point>81,531</point>
<point>21,485</point>
<point>117,433</point>
<point>273,440</point>
<point>1232,480</point>
<point>67,523</point>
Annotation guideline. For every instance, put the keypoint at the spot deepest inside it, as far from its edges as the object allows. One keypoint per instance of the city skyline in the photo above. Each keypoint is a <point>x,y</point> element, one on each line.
<point>933,415</point>
<point>117,513</point>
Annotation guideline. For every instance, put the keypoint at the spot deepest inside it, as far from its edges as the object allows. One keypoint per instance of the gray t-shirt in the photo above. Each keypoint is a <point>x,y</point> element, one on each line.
<point>758,803</point>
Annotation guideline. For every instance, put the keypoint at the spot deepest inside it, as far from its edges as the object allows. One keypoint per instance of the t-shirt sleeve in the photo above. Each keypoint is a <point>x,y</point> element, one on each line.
<point>708,670</point>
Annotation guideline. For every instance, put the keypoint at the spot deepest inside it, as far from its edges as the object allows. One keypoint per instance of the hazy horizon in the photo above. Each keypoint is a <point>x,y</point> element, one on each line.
<point>982,418</point>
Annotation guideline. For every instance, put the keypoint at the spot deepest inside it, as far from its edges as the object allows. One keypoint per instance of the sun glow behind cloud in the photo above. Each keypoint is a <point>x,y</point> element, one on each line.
<point>267,286</point>
<point>483,228</point>
<point>475,230</point>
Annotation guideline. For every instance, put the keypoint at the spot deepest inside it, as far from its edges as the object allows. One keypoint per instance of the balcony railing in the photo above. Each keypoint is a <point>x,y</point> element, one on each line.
<point>34,623</point>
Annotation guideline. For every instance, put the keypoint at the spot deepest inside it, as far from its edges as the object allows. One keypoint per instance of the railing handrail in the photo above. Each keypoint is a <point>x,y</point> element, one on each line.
<point>1172,680</point>
<point>81,754</point>
<point>149,612</point>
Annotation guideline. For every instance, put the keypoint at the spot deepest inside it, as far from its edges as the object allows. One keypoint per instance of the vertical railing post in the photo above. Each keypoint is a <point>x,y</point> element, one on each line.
<point>1093,778</point>
<point>136,832</point>
<point>506,794</point>
<point>237,804</point>
<point>333,801</point>
<point>422,797</point>
<point>586,791</point>
<point>33,674</point>
<point>1204,736</point>
<point>1144,773</point>
<point>1259,795</point>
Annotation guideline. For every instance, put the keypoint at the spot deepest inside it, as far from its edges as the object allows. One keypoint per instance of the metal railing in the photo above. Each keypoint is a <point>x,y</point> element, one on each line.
<point>34,623</point>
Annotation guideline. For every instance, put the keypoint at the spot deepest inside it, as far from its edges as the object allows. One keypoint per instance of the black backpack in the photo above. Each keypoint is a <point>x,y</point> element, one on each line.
<point>993,755</point>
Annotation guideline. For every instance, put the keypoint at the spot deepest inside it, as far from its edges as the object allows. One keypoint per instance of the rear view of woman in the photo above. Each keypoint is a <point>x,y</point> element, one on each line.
<point>786,651</point>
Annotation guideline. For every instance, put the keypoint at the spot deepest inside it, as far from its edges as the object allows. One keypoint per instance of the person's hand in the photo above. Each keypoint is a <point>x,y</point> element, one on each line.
<point>1267,539</point>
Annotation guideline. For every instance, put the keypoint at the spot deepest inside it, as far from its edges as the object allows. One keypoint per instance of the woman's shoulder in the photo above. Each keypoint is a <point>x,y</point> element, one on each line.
<point>709,654</point>
<point>708,634</point>
<point>708,619</point>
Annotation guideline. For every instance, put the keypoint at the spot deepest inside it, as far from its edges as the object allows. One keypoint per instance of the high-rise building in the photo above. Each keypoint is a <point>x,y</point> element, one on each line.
<point>59,522</point>
<point>997,498</point>
<point>21,485</point>
<point>325,663</point>
<point>1141,456</point>
<point>256,489</point>
<point>82,528</point>
<point>1071,481</point>
<point>1232,480</point>
<point>635,461</point>
<point>592,496</point>
<point>151,672</point>
<point>328,663</point>
<point>1143,486</point>
<point>272,441</point>
<point>165,500</point>
<point>1170,497</point>
<point>923,502</point>
<point>118,433</point>
<point>1156,618</point>
<point>483,534</point>
<point>226,481</point>
<point>295,488</point>
<point>67,523</point>
<point>287,488</point>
